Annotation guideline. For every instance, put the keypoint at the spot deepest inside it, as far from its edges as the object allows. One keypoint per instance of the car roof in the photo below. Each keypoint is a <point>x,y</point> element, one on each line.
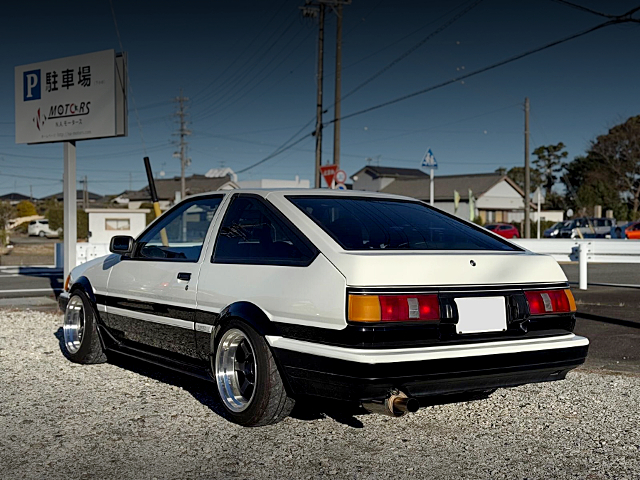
<point>320,192</point>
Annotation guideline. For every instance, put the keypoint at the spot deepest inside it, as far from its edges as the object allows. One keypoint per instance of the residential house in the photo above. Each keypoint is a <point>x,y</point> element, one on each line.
<point>497,197</point>
<point>168,190</point>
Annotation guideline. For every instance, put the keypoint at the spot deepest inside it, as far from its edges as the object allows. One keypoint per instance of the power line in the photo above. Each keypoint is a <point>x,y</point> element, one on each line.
<point>584,9</point>
<point>274,154</point>
<point>245,69</point>
<point>229,101</point>
<point>133,98</point>
<point>237,57</point>
<point>413,48</point>
<point>488,68</point>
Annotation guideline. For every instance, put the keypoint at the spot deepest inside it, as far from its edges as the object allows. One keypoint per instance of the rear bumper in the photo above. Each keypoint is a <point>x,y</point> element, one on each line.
<point>357,374</point>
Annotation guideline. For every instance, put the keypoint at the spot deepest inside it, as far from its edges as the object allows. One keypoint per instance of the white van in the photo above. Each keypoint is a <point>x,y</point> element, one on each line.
<point>41,228</point>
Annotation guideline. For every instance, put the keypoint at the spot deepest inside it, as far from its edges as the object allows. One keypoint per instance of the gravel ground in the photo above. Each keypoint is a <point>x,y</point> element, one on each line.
<point>62,420</point>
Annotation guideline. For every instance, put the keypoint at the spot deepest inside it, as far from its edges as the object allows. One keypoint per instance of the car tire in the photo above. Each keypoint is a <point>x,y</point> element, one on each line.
<point>80,329</point>
<point>248,383</point>
<point>41,234</point>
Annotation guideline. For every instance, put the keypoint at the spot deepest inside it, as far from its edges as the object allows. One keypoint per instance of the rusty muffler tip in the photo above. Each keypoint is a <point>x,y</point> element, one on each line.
<point>405,404</point>
<point>395,405</point>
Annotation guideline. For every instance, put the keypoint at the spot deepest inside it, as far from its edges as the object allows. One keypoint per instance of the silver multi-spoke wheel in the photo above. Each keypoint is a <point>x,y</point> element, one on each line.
<point>235,370</point>
<point>74,322</point>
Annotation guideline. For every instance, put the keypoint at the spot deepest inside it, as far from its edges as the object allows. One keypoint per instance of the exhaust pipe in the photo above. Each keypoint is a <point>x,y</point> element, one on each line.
<point>395,405</point>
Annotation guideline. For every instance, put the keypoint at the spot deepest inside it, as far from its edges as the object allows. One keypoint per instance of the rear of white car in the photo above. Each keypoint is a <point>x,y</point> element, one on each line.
<point>432,305</point>
<point>276,295</point>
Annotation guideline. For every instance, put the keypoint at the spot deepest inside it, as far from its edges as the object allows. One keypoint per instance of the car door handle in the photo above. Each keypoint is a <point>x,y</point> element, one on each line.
<point>186,276</point>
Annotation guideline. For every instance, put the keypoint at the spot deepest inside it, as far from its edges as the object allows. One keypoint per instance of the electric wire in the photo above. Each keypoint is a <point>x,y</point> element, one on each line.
<point>241,54</point>
<point>230,101</point>
<point>133,98</point>
<point>501,63</point>
<point>415,47</point>
<point>245,69</point>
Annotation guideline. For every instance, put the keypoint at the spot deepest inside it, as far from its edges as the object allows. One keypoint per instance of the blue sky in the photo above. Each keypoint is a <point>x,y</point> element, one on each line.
<point>247,99</point>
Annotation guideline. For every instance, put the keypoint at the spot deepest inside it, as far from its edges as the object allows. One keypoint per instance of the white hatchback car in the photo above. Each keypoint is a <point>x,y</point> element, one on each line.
<point>41,228</point>
<point>373,299</point>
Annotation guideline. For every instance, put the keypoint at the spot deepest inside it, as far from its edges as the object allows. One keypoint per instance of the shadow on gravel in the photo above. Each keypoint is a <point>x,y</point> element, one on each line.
<point>203,391</point>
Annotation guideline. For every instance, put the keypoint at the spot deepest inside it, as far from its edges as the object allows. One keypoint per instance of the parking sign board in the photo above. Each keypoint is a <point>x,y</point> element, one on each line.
<point>72,98</point>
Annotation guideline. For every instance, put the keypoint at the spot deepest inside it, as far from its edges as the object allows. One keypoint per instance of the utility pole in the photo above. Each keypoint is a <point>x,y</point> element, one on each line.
<point>316,9</point>
<point>338,88</point>
<point>85,194</point>
<point>319,96</point>
<point>527,170</point>
<point>183,132</point>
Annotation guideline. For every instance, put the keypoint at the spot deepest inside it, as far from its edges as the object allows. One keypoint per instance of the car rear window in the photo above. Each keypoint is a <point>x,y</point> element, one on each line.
<point>382,224</point>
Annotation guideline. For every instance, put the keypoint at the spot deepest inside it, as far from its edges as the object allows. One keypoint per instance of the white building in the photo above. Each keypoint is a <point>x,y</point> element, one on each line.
<point>105,223</point>
<point>275,183</point>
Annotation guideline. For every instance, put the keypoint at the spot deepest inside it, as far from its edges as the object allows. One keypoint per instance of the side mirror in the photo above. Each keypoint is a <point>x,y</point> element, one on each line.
<point>121,244</point>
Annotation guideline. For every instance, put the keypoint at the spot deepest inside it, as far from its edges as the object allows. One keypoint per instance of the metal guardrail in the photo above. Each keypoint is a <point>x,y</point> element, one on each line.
<point>585,251</point>
<point>598,250</point>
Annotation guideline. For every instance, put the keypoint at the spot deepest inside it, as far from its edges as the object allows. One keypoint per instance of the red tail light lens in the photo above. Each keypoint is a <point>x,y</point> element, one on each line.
<point>393,308</point>
<point>544,302</point>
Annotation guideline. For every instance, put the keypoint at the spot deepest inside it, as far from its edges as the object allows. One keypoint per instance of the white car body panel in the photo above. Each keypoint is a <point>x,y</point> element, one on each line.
<point>312,296</point>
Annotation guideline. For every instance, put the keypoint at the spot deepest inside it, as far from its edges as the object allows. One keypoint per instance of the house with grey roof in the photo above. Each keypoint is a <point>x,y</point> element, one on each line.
<point>13,198</point>
<point>168,190</point>
<point>497,198</point>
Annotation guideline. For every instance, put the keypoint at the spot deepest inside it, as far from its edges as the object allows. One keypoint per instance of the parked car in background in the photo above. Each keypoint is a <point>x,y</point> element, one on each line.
<point>41,228</point>
<point>371,299</point>
<point>504,230</point>
<point>554,230</point>
<point>633,231</point>
<point>586,227</point>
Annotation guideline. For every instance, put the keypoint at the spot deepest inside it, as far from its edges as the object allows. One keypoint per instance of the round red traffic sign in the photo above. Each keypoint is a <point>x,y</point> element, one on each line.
<point>341,176</point>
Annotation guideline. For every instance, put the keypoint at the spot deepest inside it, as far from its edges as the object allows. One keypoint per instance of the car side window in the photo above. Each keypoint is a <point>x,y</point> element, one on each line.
<point>179,236</point>
<point>254,233</point>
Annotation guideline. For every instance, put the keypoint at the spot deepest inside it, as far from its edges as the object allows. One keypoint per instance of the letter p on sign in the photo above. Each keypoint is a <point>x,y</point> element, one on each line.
<point>31,85</point>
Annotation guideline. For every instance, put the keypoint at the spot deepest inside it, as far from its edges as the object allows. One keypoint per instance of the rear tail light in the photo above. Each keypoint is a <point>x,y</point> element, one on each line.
<point>393,308</point>
<point>544,302</point>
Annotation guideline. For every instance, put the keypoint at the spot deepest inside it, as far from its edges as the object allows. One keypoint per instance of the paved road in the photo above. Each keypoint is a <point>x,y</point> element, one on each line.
<point>18,282</point>
<point>620,273</point>
<point>27,240</point>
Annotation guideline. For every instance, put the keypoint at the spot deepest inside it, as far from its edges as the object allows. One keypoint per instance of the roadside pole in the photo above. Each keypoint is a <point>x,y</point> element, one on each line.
<point>431,189</point>
<point>527,171</point>
<point>70,207</point>
<point>582,264</point>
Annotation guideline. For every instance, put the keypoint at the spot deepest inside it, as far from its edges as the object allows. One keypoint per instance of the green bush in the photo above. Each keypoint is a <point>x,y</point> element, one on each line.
<point>55,215</point>
<point>26,209</point>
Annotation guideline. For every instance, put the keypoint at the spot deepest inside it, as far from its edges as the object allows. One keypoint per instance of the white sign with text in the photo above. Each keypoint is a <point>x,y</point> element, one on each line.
<point>72,98</point>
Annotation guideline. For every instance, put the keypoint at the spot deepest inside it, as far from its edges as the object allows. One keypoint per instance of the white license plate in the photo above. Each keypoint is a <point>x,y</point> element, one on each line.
<point>481,314</point>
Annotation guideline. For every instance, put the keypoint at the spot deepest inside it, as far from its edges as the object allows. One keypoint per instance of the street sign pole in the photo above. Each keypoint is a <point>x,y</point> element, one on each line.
<point>70,207</point>
<point>431,189</point>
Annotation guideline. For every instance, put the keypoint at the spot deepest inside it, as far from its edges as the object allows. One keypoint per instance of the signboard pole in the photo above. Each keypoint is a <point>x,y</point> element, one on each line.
<point>70,207</point>
<point>431,189</point>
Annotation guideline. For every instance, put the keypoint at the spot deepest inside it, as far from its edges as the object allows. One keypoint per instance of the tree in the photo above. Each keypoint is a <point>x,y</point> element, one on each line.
<point>617,153</point>
<point>26,209</point>
<point>517,175</point>
<point>55,215</point>
<point>549,163</point>
<point>6,214</point>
